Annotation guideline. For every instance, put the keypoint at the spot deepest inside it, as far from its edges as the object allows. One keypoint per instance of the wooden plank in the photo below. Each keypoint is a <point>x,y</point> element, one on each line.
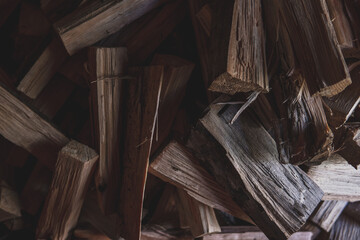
<point>38,136</point>
<point>178,166</point>
<point>98,20</point>
<point>244,160</point>
<point>107,66</point>
<point>338,179</point>
<point>328,213</point>
<point>71,179</point>
<point>141,115</point>
<point>238,48</point>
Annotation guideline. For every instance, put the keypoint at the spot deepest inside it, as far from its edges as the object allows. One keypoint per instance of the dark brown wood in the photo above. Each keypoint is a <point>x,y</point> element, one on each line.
<point>32,21</point>
<point>328,213</point>
<point>7,7</point>
<point>9,202</point>
<point>348,143</point>
<point>352,210</point>
<point>69,185</point>
<point>352,10</point>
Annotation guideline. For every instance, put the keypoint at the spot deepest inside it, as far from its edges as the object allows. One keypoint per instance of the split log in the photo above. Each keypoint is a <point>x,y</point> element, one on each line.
<point>9,203</point>
<point>57,9</point>
<point>345,228</point>
<point>141,114</point>
<point>338,179</point>
<point>316,48</point>
<point>107,66</point>
<point>72,176</point>
<point>348,143</point>
<point>200,217</point>
<point>98,20</point>
<point>352,10</point>
<point>238,47</point>
<point>38,136</point>
<point>155,232</point>
<point>244,160</point>
<point>177,165</point>
<point>352,210</point>
<point>43,69</point>
<point>328,213</point>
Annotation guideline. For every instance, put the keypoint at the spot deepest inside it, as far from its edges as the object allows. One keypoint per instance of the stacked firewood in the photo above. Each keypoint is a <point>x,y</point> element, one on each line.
<point>174,119</point>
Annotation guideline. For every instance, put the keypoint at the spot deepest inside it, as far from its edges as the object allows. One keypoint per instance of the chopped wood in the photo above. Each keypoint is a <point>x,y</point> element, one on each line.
<point>98,20</point>
<point>328,213</point>
<point>238,48</point>
<point>107,66</point>
<point>9,203</point>
<point>352,11</point>
<point>142,113</point>
<point>38,136</point>
<point>345,228</point>
<point>178,166</point>
<point>90,234</point>
<point>249,166</point>
<point>352,210</point>
<point>200,217</point>
<point>338,179</point>
<point>348,143</point>
<point>72,174</point>
<point>155,232</point>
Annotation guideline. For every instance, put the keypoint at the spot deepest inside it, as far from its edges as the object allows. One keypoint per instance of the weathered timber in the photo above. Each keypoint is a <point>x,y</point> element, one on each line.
<point>9,203</point>
<point>200,217</point>
<point>141,115</point>
<point>338,179</point>
<point>328,213</point>
<point>106,67</point>
<point>98,20</point>
<point>244,160</point>
<point>345,228</point>
<point>69,185</point>
<point>23,127</point>
<point>238,48</point>
<point>178,166</point>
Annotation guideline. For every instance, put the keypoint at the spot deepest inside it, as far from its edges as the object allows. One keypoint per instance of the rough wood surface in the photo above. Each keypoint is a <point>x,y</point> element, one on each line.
<point>345,228</point>
<point>107,66</point>
<point>328,213</point>
<point>266,190</point>
<point>9,203</point>
<point>348,143</point>
<point>141,116</point>
<point>72,176</point>
<point>98,20</point>
<point>338,179</point>
<point>178,166</point>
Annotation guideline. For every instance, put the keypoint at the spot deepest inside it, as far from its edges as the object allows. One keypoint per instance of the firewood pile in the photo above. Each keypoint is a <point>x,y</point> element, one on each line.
<point>175,119</point>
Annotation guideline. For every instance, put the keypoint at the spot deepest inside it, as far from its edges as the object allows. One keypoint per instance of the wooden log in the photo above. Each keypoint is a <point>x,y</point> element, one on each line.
<point>238,48</point>
<point>328,213</point>
<point>178,166</point>
<point>348,143</point>
<point>338,179</point>
<point>107,66</point>
<point>9,203</point>
<point>155,232</point>
<point>352,11</point>
<point>345,228</point>
<point>90,234</point>
<point>200,217</point>
<point>7,7</point>
<point>98,20</point>
<point>316,48</point>
<point>43,69</point>
<point>57,9</point>
<point>244,160</point>
<point>72,176</point>
<point>352,210</point>
<point>142,113</point>
<point>38,136</point>
<point>17,156</point>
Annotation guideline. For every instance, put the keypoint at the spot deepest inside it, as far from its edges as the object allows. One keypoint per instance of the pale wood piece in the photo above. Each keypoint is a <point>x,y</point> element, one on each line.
<point>279,198</point>
<point>315,45</point>
<point>178,166</point>
<point>23,127</point>
<point>43,69</point>
<point>98,20</point>
<point>328,213</point>
<point>338,179</point>
<point>200,217</point>
<point>241,47</point>
<point>9,203</point>
<point>72,176</point>
<point>106,67</point>
<point>141,115</point>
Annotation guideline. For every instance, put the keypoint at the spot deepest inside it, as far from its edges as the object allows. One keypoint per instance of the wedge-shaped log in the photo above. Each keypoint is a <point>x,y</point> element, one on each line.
<point>72,176</point>
<point>238,47</point>
<point>98,20</point>
<point>338,179</point>
<point>244,160</point>
<point>328,213</point>
<point>142,112</point>
<point>106,67</point>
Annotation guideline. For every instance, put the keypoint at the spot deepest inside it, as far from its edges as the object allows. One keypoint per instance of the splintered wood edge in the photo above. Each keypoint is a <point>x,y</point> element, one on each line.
<point>334,89</point>
<point>79,151</point>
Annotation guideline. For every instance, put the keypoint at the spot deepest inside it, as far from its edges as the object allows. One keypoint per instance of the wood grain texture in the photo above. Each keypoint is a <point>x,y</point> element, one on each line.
<point>72,176</point>
<point>345,228</point>
<point>98,20</point>
<point>338,179</point>
<point>107,66</point>
<point>141,114</point>
<point>328,213</point>
<point>244,53</point>
<point>178,166</point>
<point>23,127</point>
<point>244,160</point>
